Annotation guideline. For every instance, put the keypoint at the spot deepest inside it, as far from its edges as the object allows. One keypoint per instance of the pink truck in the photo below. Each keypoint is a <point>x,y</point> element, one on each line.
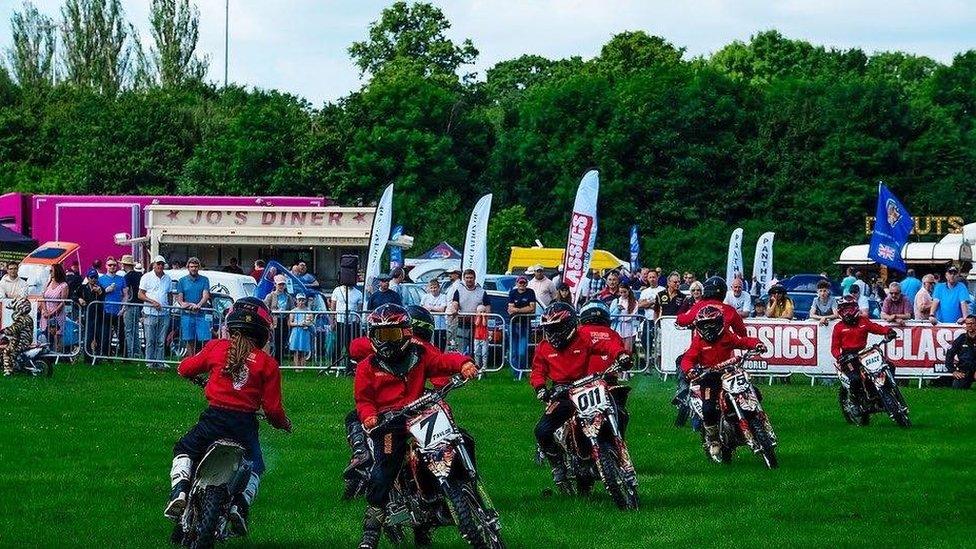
<point>93,220</point>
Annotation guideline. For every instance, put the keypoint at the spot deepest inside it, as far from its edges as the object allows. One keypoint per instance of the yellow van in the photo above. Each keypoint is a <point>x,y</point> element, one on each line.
<point>551,258</point>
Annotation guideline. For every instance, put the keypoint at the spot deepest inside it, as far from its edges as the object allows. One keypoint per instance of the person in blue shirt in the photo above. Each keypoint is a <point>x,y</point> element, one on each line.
<point>521,307</point>
<point>384,295</point>
<point>910,286</point>
<point>950,300</point>
<point>193,295</point>
<point>114,285</point>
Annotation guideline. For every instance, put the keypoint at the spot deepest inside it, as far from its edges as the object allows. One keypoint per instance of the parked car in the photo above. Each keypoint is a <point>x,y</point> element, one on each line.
<point>808,283</point>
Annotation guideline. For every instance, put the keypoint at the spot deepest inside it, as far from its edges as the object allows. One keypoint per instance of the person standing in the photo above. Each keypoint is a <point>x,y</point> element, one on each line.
<point>192,296</point>
<point>645,305</point>
<point>544,289</point>
<point>154,289</point>
<point>950,300</point>
<point>609,292</point>
<point>669,302</point>
<point>11,285</point>
<point>923,299</point>
<point>385,294</point>
<point>347,302</point>
<point>54,296</point>
<point>467,296</point>
<point>89,298</point>
<point>234,266</point>
<point>258,271</point>
<point>521,309</point>
<point>622,310</point>
<point>300,338</point>
<point>132,312</point>
<point>823,309</point>
<point>960,358</point>
<point>436,302</point>
<point>114,285</point>
<point>397,276</point>
<point>910,286</point>
<point>73,278</point>
<point>279,303</point>
<point>850,279</point>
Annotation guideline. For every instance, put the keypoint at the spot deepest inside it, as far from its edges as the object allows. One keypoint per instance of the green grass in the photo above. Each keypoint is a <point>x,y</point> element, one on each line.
<point>86,456</point>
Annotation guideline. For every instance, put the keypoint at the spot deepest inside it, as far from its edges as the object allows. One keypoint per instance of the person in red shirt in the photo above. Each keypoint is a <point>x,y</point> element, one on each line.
<point>596,315</point>
<point>850,336</point>
<point>711,345</point>
<point>713,294</point>
<point>386,381</point>
<point>242,380</point>
<point>564,356</point>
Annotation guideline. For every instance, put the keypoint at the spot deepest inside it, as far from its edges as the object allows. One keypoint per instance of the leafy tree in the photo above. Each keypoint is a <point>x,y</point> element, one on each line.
<point>175,31</point>
<point>96,44</point>
<point>507,227</point>
<point>632,51</point>
<point>31,56</point>
<point>412,34</point>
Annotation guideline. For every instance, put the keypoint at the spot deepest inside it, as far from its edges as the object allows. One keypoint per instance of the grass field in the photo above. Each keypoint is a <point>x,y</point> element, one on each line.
<point>86,456</point>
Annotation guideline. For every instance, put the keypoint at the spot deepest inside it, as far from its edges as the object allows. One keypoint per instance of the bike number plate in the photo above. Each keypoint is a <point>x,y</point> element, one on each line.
<point>590,399</point>
<point>735,383</point>
<point>431,427</point>
<point>872,361</point>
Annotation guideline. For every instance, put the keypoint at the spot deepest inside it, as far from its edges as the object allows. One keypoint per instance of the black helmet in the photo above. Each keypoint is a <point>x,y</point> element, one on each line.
<point>715,288</point>
<point>252,318</point>
<point>559,323</point>
<point>710,322</point>
<point>595,312</point>
<point>777,289</point>
<point>389,331</point>
<point>848,309</point>
<point>422,322</point>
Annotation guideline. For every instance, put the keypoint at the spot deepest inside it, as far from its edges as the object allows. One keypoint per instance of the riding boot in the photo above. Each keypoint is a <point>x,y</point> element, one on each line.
<point>713,443</point>
<point>372,527</point>
<point>558,472</point>
<point>179,476</point>
<point>241,506</point>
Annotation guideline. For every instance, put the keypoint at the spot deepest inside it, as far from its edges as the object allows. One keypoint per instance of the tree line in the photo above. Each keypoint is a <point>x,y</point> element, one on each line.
<point>770,134</point>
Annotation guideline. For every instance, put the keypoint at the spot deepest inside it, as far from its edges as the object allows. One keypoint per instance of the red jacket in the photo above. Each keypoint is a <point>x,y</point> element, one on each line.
<point>732,317</point>
<point>573,362</point>
<point>599,363</point>
<point>261,387</point>
<point>853,338</point>
<point>377,390</point>
<point>361,347</point>
<point>707,355</point>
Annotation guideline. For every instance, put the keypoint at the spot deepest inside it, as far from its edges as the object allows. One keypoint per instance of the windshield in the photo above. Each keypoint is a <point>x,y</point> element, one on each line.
<point>47,253</point>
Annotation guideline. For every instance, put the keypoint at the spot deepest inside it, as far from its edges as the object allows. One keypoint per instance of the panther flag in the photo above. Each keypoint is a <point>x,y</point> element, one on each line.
<point>582,235</point>
<point>892,225</point>
<point>733,263</point>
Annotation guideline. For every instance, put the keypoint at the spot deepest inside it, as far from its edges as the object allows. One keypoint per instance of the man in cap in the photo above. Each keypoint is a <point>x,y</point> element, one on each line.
<point>154,289</point>
<point>455,280</point>
<point>545,289</point>
<point>114,285</point>
<point>384,294</point>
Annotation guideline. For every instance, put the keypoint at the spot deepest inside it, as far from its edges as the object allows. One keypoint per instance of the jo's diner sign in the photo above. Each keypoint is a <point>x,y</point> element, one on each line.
<point>294,218</point>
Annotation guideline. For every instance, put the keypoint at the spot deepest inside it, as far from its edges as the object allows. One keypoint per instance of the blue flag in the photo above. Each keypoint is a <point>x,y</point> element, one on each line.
<point>892,225</point>
<point>396,253</point>
<point>634,249</point>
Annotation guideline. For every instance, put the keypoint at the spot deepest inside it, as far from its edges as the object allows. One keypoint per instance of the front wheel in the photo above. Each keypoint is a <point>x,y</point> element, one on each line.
<point>205,527</point>
<point>41,368</point>
<point>477,524</point>
<point>765,440</point>
<point>894,404</point>
<point>622,487</point>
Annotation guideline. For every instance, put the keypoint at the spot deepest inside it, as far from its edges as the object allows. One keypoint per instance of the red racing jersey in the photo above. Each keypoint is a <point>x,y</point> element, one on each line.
<point>599,363</point>
<point>361,347</point>
<point>847,338</point>
<point>260,386</point>
<point>573,362</point>
<point>708,355</point>
<point>732,317</point>
<point>378,390</point>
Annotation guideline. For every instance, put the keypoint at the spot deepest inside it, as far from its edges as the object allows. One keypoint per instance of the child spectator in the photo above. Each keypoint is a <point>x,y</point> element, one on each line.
<point>481,337</point>
<point>300,339</point>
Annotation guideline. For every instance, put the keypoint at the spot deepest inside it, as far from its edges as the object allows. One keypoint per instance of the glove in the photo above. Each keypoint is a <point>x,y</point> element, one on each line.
<point>761,348</point>
<point>370,422</point>
<point>287,426</point>
<point>469,370</point>
<point>626,362</point>
<point>891,335</point>
<point>542,393</point>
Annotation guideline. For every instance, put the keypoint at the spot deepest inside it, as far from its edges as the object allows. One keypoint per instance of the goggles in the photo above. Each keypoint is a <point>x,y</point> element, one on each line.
<point>389,334</point>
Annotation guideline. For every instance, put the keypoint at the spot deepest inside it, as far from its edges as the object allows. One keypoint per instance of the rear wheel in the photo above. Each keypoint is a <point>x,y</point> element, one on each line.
<point>205,529</point>
<point>622,489</point>
<point>478,525</point>
<point>852,413</point>
<point>41,368</point>
<point>766,445</point>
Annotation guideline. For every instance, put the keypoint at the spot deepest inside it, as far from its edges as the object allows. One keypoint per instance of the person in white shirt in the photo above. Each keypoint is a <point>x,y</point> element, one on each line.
<point>11,285</point>
<point>347,302</point>
<point>545,289</point>
<point>645,304</point>
<point>739,299</point>
<point>436,302</point>
<point>154,288</point>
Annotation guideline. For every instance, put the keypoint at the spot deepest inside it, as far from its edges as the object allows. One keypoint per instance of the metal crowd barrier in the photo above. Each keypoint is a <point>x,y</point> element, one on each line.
<point>459,335</point>
<point>115,330</point>
<point>57,322</point>
<point>304,339</point>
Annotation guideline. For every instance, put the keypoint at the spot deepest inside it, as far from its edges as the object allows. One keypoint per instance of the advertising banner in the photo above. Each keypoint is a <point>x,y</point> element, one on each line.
<point>582,234</point>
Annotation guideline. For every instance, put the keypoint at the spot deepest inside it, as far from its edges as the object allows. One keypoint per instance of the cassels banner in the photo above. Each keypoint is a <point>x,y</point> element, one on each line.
<point>734,262</point>
<point>582,234</point>
<point>634,250</point>
<point>396,253</point>
<point>762,265</point>
<point>474,255</point>
<point>378,237</point>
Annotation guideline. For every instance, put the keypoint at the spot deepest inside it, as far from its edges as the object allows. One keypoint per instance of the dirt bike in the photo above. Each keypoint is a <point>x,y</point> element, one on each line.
<point>33,361</point>
<point>592,443</point>
<point>742,420</point>
<point>878,392</point>
<point>439,484</point>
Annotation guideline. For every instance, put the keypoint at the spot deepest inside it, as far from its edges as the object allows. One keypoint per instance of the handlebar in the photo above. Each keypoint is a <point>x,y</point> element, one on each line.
<point>729,365</point>
<point>562,389</point>
<point>437,395</point>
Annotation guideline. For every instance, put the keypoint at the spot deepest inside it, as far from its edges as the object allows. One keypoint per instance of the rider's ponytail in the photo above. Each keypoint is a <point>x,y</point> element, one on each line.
<point>240,348</point>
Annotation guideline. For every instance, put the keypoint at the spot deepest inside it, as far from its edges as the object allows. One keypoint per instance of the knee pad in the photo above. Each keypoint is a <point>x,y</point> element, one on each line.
<point>181,470</point>
<point>251,490</point>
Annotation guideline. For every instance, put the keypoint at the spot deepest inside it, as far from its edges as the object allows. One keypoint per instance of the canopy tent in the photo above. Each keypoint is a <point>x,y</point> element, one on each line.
<point>433,263</point>
<point>13,245</point>
<point>439,252</point>
<point>929,253</point>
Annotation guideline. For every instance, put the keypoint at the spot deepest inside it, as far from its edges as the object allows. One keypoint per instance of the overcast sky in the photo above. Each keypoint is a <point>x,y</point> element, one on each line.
<point>299,46</point>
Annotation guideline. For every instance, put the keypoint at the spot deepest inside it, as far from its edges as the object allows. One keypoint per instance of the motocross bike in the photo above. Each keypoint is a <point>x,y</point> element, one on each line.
<point>592,443</point>
<point>439,484</point>
<point>742,420</point>
<point>32,361</point>
<point>878,391</point>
